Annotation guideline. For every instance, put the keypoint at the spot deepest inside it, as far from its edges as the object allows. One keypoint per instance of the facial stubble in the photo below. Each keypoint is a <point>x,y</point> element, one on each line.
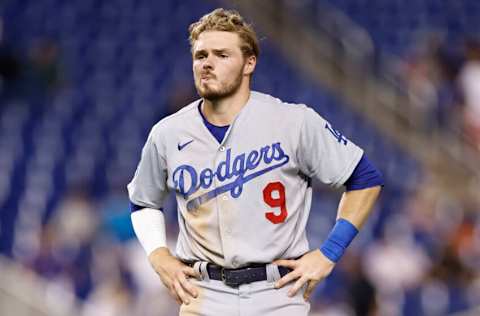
<point>225,90</point>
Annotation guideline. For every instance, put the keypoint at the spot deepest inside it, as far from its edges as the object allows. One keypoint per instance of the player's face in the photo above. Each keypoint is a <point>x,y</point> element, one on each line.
<point>219,67</point>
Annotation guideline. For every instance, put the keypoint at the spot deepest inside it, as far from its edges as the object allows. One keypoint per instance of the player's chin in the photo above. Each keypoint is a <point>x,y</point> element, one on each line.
<point>210,94</point>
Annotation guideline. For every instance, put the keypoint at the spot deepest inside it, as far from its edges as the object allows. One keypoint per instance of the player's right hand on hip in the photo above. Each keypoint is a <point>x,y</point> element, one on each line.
<point>174,275</point>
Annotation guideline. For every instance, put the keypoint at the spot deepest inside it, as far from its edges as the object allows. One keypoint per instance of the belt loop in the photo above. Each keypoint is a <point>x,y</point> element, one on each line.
<point>196,268</point>
<point>273,274</point>
<point>202,266</point>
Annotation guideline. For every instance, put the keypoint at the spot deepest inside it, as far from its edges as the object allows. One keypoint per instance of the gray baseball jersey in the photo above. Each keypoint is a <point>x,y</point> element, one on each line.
<point>247,199</point>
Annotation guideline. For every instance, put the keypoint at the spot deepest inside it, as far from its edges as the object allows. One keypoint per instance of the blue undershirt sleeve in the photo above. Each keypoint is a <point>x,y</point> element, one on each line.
<point>364,176</point>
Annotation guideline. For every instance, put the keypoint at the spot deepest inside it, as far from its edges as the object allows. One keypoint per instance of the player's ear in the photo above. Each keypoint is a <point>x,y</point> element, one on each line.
<point>250,63</point>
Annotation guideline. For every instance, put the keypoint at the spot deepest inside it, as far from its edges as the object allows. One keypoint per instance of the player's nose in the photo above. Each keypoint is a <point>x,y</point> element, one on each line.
<point>207,63</point>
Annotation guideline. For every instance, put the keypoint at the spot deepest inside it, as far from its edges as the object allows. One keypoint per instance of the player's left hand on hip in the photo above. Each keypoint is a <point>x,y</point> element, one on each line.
<point>311,268</point>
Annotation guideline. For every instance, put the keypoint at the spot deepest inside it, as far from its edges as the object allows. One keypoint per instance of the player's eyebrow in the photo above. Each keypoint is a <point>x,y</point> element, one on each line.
<point>215,51</point>
<point>199,52</point>
<point>221,50</point>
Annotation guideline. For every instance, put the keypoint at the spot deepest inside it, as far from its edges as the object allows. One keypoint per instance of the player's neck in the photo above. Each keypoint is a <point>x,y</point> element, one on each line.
<point>222,112</point>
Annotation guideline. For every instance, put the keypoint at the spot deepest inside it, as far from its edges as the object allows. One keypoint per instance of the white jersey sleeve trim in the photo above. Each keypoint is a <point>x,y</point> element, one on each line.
<point>149,226</point>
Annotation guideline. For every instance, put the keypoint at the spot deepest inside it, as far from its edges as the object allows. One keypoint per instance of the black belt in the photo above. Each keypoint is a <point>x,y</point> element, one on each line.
<point>237,277</point>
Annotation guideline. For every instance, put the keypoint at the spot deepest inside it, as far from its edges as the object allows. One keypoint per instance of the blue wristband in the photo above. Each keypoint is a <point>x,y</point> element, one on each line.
<point>338,240</point>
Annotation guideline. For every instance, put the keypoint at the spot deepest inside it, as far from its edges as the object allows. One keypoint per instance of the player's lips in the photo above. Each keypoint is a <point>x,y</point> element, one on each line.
<point>207,76</point>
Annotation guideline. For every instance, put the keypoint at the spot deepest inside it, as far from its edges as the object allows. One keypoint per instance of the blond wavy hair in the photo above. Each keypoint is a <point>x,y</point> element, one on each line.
<point>228,21</point>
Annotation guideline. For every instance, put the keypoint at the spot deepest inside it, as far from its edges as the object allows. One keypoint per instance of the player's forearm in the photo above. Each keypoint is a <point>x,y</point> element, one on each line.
<point>354,209</point>
<point>355,206</point>
<point>159,253</point>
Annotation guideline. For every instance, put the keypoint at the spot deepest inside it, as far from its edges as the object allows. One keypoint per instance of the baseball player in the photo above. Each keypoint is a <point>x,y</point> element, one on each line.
<point>240,163</point>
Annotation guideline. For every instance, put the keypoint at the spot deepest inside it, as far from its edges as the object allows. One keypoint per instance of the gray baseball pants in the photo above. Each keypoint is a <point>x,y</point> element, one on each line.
<point>253,299</point>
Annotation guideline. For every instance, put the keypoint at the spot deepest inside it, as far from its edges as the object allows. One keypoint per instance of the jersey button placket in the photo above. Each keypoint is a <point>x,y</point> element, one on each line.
<point>225,230</point>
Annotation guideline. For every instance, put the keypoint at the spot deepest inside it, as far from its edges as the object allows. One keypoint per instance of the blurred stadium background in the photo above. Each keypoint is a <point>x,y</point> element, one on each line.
<point>83,81</point>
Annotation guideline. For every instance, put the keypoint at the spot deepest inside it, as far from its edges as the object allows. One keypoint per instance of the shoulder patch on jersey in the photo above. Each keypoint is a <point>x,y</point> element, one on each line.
<point>337,134</point>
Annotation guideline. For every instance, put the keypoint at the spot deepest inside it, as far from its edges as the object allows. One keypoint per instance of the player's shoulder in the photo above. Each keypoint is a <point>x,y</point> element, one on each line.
<point>270,103</point>
<point>176,119</point>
